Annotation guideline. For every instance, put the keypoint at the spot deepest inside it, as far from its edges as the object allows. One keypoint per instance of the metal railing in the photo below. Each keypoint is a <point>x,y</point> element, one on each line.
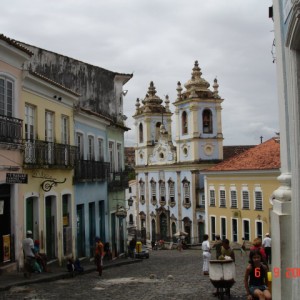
<point>10,130</point>
<point>118,180</point>
<point>41,153</point>
<point>91,170</point>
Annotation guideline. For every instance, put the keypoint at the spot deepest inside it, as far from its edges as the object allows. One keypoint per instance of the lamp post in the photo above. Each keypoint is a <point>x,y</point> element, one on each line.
<point>121,213</point>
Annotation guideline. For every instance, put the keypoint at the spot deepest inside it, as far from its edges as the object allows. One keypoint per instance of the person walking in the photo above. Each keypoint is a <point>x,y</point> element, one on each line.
<point>30,263</point>
<point>267,243</point>
<point>206,254</point>
<point>99,253</point>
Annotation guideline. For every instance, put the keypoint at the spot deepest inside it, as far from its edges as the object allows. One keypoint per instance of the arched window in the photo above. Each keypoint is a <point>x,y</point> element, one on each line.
<point>184,123</point>
<point>131,219</point>
<point>141,134</point>
<point>207,121</point>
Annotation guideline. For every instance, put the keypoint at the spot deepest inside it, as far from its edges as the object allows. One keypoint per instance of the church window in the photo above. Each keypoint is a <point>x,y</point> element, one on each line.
<point>171,191</point>
<point>162,191</point>
<point>142,190</point>
<point>157,131</point>
<point>186,191</point>
<point>153,190</point>
<point>207,121</point>
<point>184,122</point>
<point>141,133</point>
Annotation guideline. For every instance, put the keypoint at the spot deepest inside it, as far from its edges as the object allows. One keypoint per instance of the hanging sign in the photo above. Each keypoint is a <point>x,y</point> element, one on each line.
<point>16,178</point>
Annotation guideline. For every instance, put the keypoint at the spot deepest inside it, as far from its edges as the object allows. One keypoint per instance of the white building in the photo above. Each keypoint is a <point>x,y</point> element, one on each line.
<point>169,181</point>
<point>286,206</point>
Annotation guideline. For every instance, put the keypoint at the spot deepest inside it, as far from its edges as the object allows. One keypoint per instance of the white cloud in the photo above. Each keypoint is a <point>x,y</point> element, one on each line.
<point>159,41</point>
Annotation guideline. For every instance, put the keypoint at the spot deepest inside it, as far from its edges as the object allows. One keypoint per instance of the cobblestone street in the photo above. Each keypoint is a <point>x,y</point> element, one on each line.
<point>166,275</point>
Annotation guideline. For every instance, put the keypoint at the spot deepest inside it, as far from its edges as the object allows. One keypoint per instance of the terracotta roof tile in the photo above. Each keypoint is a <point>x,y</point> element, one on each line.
<point>265,156</point>
<point>15,44</point>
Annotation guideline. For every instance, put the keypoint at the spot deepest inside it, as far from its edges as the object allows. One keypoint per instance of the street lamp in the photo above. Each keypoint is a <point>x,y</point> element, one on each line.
<point>122,211</point>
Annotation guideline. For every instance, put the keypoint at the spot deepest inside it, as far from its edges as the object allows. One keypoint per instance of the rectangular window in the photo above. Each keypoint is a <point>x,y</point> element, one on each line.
<point>153,190</point>
<point>65,130</point>
<point>142,191</point>
<point>91,155</point>
<point>258,200</point>
<point>6,96</point>
<point>222,198</point>
<point>212,198</point>
<point>259,229</point>
<point>29,122</point>
<point>223,228</point>
<point>213,228</point>
<point>245,199</point>
<point>246,230</point>
<point>111,156</point>
<point>186,188</point>
<point>30,128</point>
<point>100,150</point>
<point>233,198</point>
<point>202,202</point>
<point>49,126</point>
<point>119,157</point>
<point>172,191</point>
<point>162,192</point>
<point>79,143</point>
<point>49,135</point>
<point>234,230</point>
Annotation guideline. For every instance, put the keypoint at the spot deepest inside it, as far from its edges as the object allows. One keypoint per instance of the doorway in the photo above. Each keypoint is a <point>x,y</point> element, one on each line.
<point>50,226</point>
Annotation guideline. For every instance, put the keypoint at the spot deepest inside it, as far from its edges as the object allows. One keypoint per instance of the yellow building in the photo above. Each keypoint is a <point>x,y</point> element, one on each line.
<point>239,193</point>
<point>49,158</point>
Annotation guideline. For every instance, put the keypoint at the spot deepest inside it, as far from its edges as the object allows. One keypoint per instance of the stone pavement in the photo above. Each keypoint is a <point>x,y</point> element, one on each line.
<point>55,272</point>
<point>167,274</point>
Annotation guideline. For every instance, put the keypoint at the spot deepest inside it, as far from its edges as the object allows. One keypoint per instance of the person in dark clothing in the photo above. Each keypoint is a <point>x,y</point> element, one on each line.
<point>218,246</point>
<point>256,277</point>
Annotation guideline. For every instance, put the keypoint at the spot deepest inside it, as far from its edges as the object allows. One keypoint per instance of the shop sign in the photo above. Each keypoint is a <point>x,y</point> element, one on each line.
<point>16,178</point>
<point>6,247</point>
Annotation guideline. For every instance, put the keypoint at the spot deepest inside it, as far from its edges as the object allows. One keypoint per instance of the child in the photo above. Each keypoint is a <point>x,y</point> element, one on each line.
<point>256,277</point>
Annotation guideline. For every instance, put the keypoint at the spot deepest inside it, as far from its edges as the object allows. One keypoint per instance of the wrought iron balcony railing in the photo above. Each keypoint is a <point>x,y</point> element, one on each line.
<point>118,180</point>
<point>10,130</point>
<point>39,154</point>
<point>89,170</point>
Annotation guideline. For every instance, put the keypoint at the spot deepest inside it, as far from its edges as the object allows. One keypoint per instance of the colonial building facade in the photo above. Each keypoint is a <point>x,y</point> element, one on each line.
<point>239,193</point>
<point>61,153</point>
<point>169,179</point>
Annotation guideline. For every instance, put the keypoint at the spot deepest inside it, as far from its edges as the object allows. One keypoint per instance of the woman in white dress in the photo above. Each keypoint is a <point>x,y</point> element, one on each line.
<point>206,254</point>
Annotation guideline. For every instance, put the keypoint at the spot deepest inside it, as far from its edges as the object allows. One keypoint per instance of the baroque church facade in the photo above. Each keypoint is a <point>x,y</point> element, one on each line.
<point>170,187</point>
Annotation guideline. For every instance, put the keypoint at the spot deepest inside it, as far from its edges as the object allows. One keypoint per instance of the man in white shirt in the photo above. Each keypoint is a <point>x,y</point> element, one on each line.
<point>267,243</point>
<point>28,245</point>
<point>206,254</point>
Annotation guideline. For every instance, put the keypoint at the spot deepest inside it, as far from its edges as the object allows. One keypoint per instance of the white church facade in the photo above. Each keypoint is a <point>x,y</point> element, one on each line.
<point>170,187</point>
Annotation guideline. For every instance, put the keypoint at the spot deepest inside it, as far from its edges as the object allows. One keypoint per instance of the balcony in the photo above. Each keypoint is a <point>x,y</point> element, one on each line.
<point>10,130</point>
<point>89,170</point>
<point>118,181</point>
<point>42,154</point>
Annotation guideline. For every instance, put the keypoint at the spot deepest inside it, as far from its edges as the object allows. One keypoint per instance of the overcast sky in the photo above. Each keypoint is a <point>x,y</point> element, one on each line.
<point>159,40</point>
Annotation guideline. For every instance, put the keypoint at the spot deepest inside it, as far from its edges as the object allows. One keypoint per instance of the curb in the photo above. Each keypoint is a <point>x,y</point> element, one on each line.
<point>65,275</point>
